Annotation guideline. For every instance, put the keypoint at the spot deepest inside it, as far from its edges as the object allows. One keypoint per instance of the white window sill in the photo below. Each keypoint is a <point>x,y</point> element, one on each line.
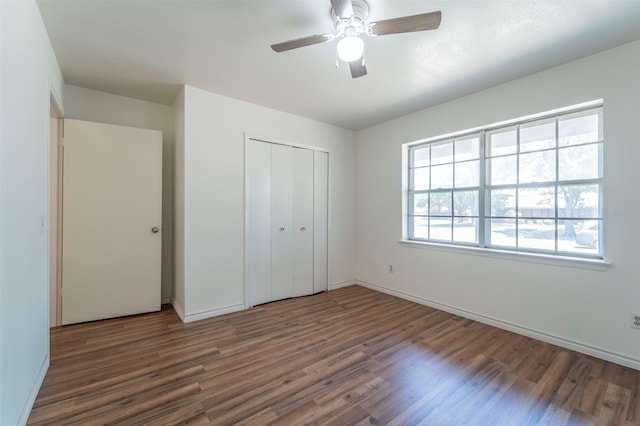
<point>545,259</point>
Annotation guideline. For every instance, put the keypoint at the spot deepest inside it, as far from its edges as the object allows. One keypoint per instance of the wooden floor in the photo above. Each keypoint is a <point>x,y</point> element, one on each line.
<point>352,357</point>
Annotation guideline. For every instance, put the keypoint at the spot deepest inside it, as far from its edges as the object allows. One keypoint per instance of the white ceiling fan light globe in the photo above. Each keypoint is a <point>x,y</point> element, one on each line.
<point>350,48</point>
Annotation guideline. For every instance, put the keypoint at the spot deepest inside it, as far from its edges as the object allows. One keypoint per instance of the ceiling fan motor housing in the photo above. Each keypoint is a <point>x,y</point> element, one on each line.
<point>354,25</point>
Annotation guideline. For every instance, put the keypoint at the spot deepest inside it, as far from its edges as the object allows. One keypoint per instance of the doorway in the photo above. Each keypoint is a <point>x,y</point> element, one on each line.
<point>56,129</point>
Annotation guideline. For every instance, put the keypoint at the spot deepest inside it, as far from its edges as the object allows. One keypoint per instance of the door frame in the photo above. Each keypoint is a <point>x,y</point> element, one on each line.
<point>259,138</point>
<point>55,112</point>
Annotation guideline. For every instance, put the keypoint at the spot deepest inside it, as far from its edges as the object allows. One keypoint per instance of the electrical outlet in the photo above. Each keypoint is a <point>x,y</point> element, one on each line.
<point>634,320</point>
<point>391,269</point>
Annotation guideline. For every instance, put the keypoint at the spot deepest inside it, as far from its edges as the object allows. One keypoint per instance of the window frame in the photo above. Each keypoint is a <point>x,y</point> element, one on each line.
<point>482,228</point>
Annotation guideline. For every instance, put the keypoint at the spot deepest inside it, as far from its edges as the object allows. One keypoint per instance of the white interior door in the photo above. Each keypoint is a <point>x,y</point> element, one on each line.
<point>112,195</point>
<point>302,230</point>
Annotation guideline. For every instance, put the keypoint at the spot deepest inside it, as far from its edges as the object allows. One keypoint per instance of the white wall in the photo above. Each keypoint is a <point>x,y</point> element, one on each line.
<point>213,230</point>
<point>92,105</point>
<point>580,308</point>
<point>27,67</point>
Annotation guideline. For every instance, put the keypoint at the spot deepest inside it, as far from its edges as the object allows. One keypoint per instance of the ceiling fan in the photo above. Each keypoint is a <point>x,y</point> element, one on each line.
<point>350,21</point>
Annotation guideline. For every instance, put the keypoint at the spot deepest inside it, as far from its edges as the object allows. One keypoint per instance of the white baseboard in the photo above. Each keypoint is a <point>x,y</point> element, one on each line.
<point>196,316</point>
<point>341,284</point>
<point>165,300</point>
<point>515,328</point>
<point>26,409</point>
<point>178,308</point>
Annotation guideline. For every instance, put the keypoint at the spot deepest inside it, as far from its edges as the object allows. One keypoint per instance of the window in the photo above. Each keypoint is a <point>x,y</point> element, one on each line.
<point>533,185</point>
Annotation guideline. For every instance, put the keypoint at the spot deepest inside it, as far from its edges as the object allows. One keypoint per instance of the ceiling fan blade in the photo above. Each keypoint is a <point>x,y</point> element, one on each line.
<point>302,42</point>
<point>407,24</point>
<point>357,68</point>
<point>342,8</point>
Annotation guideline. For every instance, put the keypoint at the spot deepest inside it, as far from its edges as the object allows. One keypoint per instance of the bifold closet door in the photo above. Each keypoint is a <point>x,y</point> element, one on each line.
<point>285,226</point>
<point>320,220</point>
<point>303,224</point>
<point>281,221</point>
<point>292,222</point>
<point>258,223</point>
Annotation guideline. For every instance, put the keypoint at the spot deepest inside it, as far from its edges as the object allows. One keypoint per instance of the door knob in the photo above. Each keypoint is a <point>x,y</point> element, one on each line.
<point>155,229</point>
<point>282,229</point>
<point>302,228</point>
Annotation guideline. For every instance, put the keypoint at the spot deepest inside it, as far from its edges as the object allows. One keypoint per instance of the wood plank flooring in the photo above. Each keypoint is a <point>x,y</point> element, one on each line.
<point>348,357</point>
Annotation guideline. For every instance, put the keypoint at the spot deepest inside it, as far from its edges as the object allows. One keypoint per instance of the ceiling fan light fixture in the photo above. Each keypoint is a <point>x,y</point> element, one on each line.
<point>350,48</point>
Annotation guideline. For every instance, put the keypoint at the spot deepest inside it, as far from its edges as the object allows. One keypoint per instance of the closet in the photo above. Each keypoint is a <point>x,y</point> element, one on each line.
<point>285,221</point>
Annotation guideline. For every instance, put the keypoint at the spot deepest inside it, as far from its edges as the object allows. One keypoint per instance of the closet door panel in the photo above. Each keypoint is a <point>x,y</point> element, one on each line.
<point>258,213</point>
<point>281,221</point>
<point>321,221</point>
<point>302,222</point>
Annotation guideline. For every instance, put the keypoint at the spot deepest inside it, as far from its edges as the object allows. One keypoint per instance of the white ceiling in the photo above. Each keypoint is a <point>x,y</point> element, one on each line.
<point>147,49</point>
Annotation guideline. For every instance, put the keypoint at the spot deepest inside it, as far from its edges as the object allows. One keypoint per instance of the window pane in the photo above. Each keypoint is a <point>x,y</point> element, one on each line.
<point>442,153</point>
<point>537,234</point>
<point>567,237</point>
<point>421,204</point>
<point>440,228</point>
<point>538,135</point>
<point>468,174</point>
<point>501,233</point>
<point>587,236</point>
<point>467,149</point>
<point>465,203</point>
<point>502,170</point>
<point>420,179</point>
<point>536,202</point>
<point>421,228</point>
<point>502,202</point>
<point>442,176</point>
<point>579,128</point>
<point>579,201</point>
<point>440,204</point>
<point>465,230</point>
<point>420,156</point>
<point>502,142</point>
<point>538,167</point>
<point>579,162</point>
